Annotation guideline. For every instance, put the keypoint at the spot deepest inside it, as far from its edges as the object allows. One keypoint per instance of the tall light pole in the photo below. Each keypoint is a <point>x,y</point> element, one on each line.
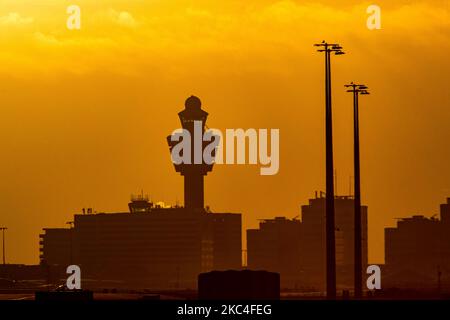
<point>328,48</point>
<point>357,89</point>
<point>3,243</point>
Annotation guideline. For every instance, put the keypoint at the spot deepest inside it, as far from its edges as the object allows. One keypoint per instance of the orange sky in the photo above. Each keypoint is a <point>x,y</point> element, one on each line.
<point>85,113</point>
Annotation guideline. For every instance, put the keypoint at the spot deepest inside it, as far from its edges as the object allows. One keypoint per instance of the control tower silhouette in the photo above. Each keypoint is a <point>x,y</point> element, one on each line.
<point>193,173</point>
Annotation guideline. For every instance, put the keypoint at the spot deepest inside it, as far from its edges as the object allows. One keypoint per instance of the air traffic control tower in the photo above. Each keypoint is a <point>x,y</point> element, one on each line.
<point>193,172</point>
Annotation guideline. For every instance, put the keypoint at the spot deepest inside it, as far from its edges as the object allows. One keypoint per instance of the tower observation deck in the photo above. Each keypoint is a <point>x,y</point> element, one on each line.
<point>193,173</point>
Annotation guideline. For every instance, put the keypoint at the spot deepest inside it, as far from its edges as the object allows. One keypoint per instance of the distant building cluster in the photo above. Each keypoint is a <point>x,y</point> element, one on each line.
<point>155,246</point>
<point>296,248</point>
<point>169,247</point>
<point>417,252</point>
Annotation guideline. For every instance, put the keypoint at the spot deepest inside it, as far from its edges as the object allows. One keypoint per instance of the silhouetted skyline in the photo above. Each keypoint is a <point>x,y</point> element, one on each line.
<point>168,247</point>
<point>161,247</point>
<point>85,111</point>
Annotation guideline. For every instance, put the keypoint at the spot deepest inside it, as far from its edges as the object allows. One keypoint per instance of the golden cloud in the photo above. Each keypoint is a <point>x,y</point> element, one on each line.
<point>13,18</point>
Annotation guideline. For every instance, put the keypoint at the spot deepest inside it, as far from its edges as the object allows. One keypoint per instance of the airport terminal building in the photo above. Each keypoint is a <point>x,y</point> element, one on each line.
<point>150,245</point>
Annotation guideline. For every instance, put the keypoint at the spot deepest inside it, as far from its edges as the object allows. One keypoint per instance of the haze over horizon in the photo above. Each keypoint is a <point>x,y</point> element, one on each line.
<point>85,114</point>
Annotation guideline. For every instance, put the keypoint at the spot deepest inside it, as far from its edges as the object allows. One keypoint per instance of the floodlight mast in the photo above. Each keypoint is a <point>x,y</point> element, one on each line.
<point>357,89</point>
<point>329,48</point>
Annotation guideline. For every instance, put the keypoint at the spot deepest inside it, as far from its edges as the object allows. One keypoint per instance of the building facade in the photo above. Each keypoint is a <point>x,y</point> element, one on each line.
<point>275,247</point>
<point>417,251</point>
<point>313,242</point>
<point>227,241</point>
<point>55,246</point>
<point>297,248</point>
<point>153,246</point>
